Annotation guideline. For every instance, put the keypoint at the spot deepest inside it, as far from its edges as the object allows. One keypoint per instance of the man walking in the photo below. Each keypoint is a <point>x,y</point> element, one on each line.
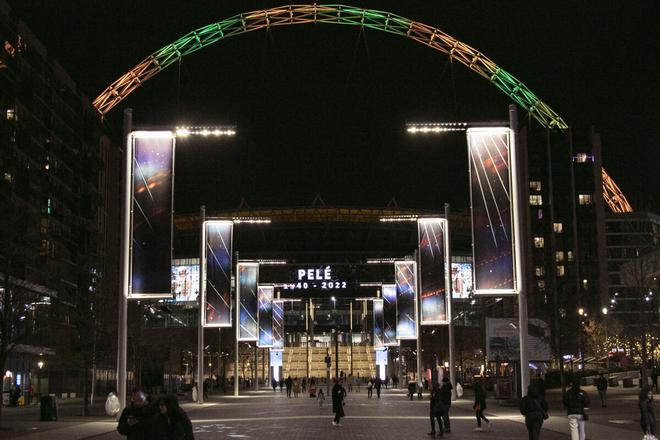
<point>378,384</point>
<point>137,420</point>
<point>445,398</point>
<point>338,395</point>
<point>575,400</point>
<point>601,386</point>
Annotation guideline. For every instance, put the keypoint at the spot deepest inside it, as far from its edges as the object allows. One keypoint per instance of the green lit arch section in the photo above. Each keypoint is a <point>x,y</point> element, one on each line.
<point>330,14</point>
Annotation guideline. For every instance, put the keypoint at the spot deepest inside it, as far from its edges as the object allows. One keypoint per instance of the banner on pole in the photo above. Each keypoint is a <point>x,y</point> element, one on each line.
<point>151,214</point>
<point>433,273</point>
<point>492,194</point>
<point>378,324</point>
<point>278,325</point>
<point>247,277</point>
<point>406,299</point>
<point>265,316</point>
<point>216,273</point>
<point>389,315</point>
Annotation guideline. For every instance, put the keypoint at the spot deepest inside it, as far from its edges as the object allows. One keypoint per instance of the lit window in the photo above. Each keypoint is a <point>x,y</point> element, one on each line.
<point>539,271</point>
<point>569,255</point>
<point>541,284</point>
<point>585,199</point>
<point>535,185</point>
<point>585,284</point>
<point>558,227</point>
<point>561,271</point>
<point>11,114</point>
<point>539,214</point>
<point>559,256</point>
<point>581,157</point>
<point>539,242</point>
<point>7,177</point>
<point>535,199</point>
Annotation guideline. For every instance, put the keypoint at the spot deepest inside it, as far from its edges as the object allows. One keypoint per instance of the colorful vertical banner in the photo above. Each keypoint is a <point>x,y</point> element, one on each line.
<point>278,325</point>
<point>379,337</point>
<point>406,299</point>
<point>152,170</point>
<point>492,193</point>
<point>433,263</point>
<point>389,314</point>
<point>265,316</point>
<point>247,278</point>
<point>216,273</point>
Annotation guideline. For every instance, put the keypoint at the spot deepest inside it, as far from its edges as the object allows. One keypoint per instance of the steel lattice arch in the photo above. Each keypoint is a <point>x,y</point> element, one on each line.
<point>338,14</point>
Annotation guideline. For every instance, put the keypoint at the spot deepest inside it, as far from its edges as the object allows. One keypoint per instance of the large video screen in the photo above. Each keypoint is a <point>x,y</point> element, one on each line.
<point>461,280</point>
<point>185,279</point>
<point>151,214</point>
<point>406,299</point>
<point>432,274</point>
<point>491,191</point>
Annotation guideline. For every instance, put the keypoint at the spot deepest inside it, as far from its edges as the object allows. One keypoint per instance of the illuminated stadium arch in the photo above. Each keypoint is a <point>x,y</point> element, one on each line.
<point>352,16</point>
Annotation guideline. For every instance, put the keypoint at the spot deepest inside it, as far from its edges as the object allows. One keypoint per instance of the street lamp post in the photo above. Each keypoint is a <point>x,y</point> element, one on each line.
<point>40,364</point>
<point>607,351</point>
<point>582,314</point>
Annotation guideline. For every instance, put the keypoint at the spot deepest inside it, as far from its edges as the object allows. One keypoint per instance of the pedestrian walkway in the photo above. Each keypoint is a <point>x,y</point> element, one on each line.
<point>268,414</point>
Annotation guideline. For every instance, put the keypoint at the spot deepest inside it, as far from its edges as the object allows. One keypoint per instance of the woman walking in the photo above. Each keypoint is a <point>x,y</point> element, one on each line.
<point>535,409</point>
<point>436,410</point>
<point>479,406</point>
<point>338,395</point>
<point>172,423</point>
<point>647,412</point>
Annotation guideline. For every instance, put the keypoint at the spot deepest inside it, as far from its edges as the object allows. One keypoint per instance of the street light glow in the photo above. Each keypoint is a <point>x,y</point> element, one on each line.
<point>205,131</point>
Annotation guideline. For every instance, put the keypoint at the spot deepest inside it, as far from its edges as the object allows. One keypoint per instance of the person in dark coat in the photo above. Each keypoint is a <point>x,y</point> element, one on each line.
<point>273,383</point>
<point>412,387</point>
<point>338,396</point>
<point>647,412</point>
<point>576,400</point>
<point>601,386</point>
<point>137,420</point>
<point>479,406</point>
<point>436,410</point>
<point>535,409</point>
<point>172,423</point>
<point>445,396</point>
<point>289,384</point>
<point>378,383</point>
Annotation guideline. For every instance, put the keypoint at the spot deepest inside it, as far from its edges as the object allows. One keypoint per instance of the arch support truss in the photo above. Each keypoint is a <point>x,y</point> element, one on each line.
<point>350,16</point>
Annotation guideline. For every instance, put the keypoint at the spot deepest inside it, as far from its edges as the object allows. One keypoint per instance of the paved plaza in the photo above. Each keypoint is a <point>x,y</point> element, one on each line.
<point>265,414</point>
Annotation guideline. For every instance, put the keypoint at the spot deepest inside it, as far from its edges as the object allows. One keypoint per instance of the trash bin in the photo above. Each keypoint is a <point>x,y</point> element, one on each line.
<point>48,409</point>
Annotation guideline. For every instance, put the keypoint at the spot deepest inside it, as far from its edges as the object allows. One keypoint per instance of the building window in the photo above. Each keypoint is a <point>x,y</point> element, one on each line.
<point>11,114</point>
<point>583,158</point>
<point>535,199</point>
<point>585,199</point>
<point>585,284</point>
<point>559,256</point>
<point>541,284</point>
<point>539,271</point>
<point>539,242</point>
<point>7,177</point>
<point>569,255</point>
<point>558,227</point>
<point>561,271</point>
<point>535,185</point>
<point>539,214</point>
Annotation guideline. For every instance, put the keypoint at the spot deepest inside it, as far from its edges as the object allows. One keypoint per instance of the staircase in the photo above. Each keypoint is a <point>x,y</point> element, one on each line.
<point>295,362</point>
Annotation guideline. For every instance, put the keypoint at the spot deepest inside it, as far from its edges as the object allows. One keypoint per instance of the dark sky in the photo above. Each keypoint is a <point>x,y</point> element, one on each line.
<point>321,108</point>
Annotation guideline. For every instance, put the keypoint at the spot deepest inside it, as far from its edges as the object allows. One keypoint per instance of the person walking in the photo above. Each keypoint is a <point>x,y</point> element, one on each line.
<point>480,406</point>
<point>320,398</point>
<point>273,383</point>
<point>647,412</point>
<point>436,410</point>
<point>172,422</point>
<point>137,420</point>
<point>576,400</point>
<point>288,382</point>
<point>296,387</point>
<point>601,386</point>
<point>445,397</point>
<point>378,383</point>
<point>338,396</point>
<point>411,388</point>
<point>370,388</point>
<point>535,409</point>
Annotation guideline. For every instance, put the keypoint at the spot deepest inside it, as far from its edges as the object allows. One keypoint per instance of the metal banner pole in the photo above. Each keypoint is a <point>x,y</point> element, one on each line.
<point>449,290</point>
<point>519,178</point>
<point>200,324</point>
<point>122,333</point>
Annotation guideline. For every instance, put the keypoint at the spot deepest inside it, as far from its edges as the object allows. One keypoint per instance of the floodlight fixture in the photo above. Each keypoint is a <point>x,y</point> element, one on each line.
<point>216,131</point>
<point>435,127</point>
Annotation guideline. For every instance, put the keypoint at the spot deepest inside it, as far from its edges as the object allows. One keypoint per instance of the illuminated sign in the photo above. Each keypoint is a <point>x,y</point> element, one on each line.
<point>315,278</point>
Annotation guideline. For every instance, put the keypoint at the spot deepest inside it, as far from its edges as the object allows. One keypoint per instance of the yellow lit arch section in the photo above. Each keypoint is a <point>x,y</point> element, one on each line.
<point>338,15</point>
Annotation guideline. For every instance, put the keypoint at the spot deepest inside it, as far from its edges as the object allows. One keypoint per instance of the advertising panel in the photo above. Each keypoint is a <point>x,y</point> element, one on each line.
<point>378,324</point>
<point>381,357</point>
<point>503,340</point>
<point>461,280</point>
<point>433,261</point>
<point>216,272</point>
<point>492,194</point>
<point>247,275</point>
<point>185,279</point>
<point>276,358</point>
<point>265,316</point>
<point>389,314</point>
<point>406,299</point>
<point>278,325</point>
<point>151,214</point>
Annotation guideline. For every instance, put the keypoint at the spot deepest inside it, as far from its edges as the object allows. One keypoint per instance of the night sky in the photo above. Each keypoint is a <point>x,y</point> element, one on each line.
<point>320,109</point>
